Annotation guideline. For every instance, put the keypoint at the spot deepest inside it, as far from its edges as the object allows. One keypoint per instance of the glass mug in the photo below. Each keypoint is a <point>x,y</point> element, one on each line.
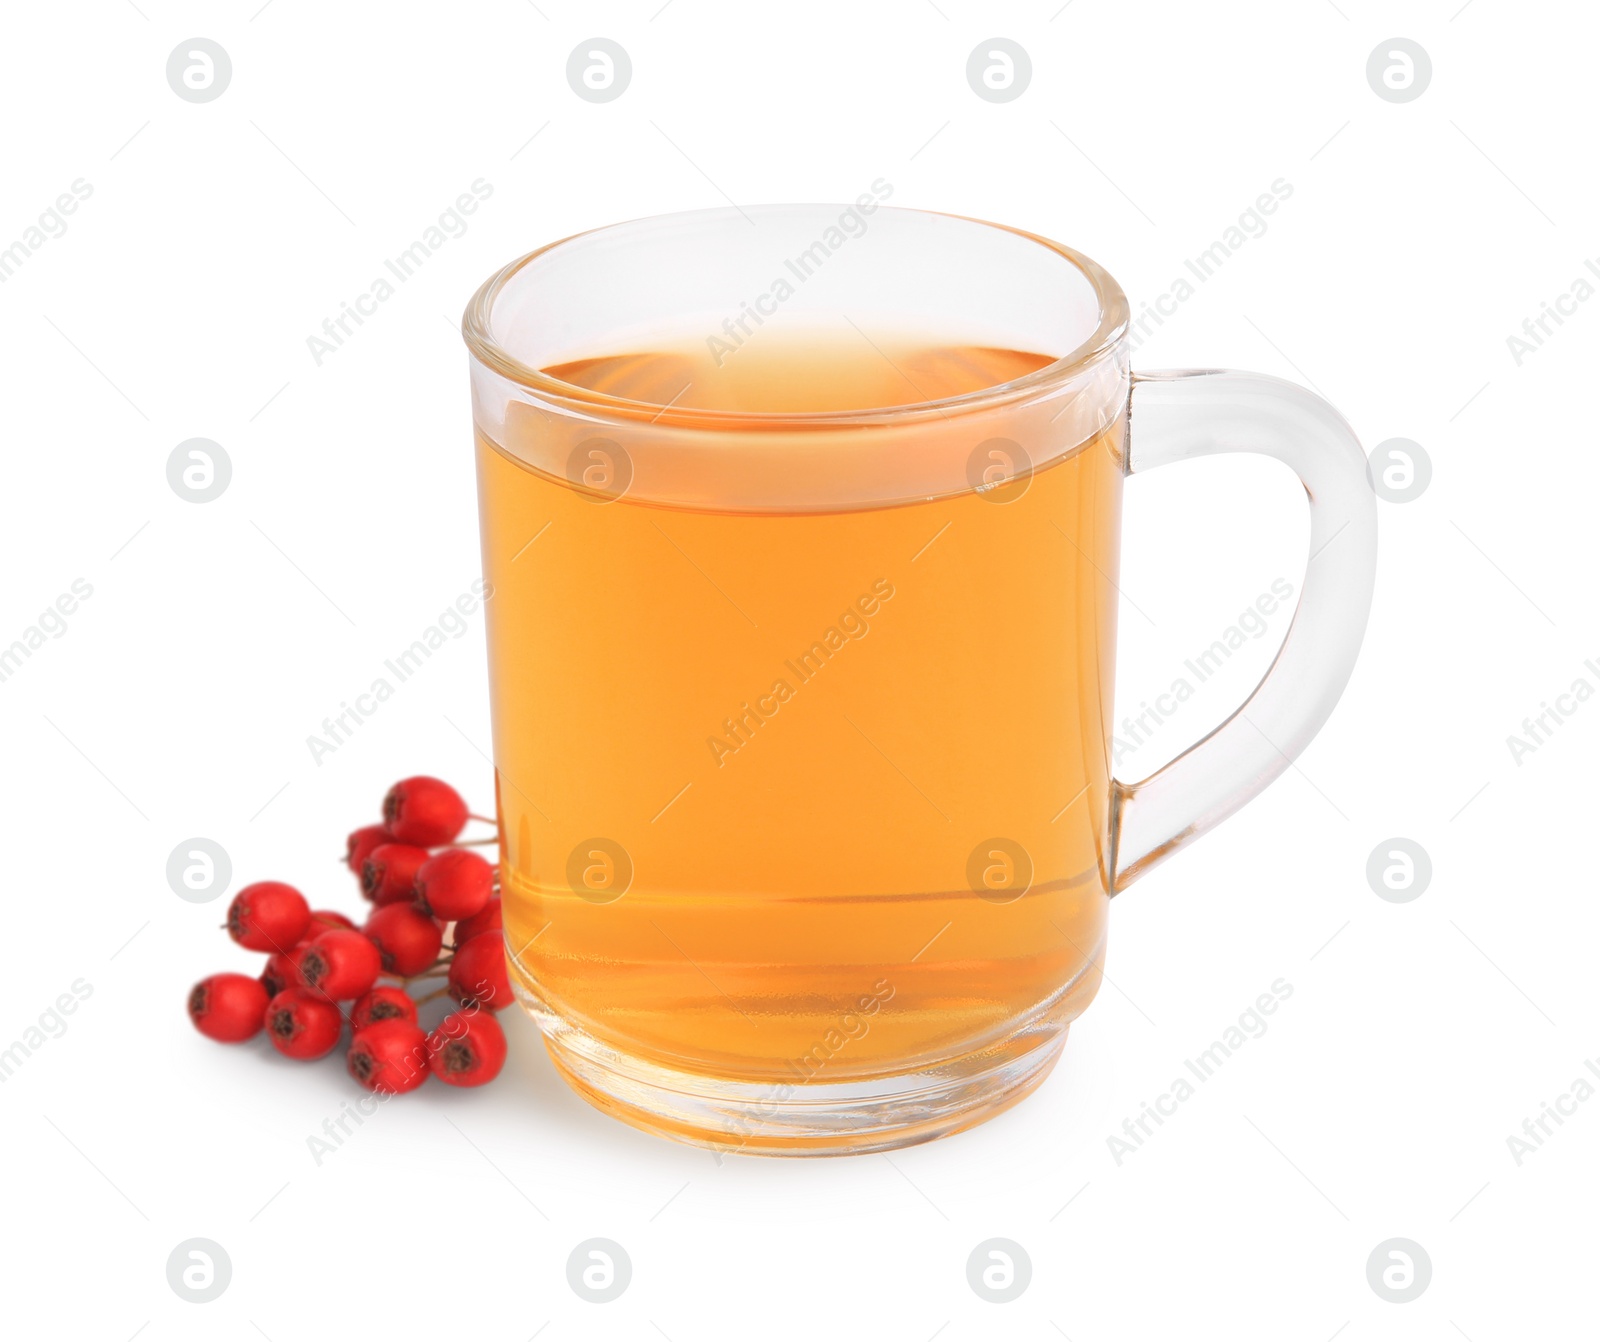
<point>802,528</point>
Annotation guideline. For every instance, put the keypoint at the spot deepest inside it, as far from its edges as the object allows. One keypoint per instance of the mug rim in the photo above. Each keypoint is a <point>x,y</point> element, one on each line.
<point>1110,331</point>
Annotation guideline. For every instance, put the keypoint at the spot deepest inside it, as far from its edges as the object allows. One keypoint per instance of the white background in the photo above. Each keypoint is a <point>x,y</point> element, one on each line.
<point>218,237</point>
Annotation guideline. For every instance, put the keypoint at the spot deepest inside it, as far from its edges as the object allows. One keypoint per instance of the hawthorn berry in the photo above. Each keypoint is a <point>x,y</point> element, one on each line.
<point>454,884</point>
<point>408,941</point>
<point>283,970</point>
<point>340,964</point>
<point>268,916</point>
<point>478,975</point>
<point>302,1024</point>
<point>486,919</point>
<point>468,1049</point>
<point>227,1007</point>
<point>321,968</point>
<point>383,1002</point>
<point>424,811</point>
<point>361,842</point>
<point>389,1056</point>
<point>389,875</point>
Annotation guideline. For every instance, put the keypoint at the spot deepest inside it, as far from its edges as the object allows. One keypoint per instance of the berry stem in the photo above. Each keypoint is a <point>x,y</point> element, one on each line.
<point>476,843</point>
<point>433,996</point>
<point>485,819</point>
<point>431,972</point>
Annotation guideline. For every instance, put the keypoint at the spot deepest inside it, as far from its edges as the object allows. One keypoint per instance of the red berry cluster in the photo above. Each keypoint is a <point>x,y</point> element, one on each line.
<point>322,969</point>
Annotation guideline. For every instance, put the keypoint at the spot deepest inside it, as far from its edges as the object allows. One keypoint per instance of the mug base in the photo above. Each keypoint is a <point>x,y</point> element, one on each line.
<point>812,1119</point>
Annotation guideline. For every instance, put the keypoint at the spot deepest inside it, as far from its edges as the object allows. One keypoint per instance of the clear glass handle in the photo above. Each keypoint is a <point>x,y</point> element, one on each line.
<point>1174,416</point>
